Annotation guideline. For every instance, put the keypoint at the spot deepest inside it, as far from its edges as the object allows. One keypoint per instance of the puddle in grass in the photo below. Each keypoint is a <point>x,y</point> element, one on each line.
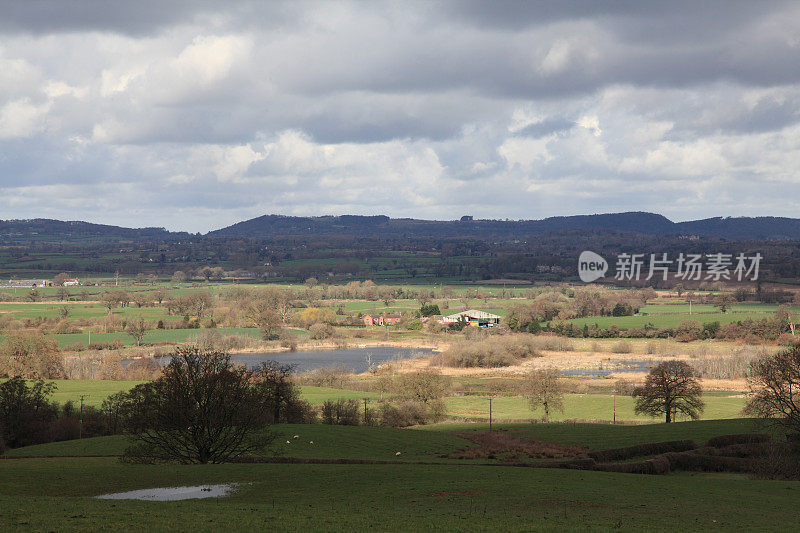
<point>168,494</point>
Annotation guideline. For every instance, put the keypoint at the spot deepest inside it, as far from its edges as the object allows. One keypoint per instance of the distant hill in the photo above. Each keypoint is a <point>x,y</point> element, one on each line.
<point>47,230</point>
<point>272,226</point>
<point>732,228</point>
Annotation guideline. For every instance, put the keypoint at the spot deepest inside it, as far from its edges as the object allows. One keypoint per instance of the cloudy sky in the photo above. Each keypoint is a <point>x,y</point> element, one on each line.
<point>195,115</point>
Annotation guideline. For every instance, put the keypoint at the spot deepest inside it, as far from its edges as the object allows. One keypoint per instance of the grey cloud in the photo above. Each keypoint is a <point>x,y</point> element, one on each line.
<point>197,114</point>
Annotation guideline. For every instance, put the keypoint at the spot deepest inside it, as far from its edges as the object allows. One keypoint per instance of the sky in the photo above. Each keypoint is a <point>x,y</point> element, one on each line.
<point>196,115</point>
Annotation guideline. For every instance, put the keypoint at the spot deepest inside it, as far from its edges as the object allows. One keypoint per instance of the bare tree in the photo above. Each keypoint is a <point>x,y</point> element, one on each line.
<point>202,409</point>
<point>775,389</point>
<point>724,301</point>
<point>542,389</point>
<point>137,329</point>
<point>670,388</point>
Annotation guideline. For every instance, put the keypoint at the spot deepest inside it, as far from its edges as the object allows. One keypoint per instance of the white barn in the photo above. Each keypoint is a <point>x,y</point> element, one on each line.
<point>474,317</point>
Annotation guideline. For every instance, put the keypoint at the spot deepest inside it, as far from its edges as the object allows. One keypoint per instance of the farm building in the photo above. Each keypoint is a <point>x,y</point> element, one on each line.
<point>71,282</point>
<point>381,320</point>
<point>473,317</point>
<point>29,283</point>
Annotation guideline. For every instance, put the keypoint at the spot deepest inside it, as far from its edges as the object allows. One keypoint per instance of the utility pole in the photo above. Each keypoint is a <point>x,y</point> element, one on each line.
<point>80,423</point>
<point>116,278</point>
<point>365,410</point>
<point>490,413</point>
<point>614,405</point>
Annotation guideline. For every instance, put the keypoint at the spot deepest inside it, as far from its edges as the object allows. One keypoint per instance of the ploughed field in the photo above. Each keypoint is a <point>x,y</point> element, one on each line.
<point>424,488</point>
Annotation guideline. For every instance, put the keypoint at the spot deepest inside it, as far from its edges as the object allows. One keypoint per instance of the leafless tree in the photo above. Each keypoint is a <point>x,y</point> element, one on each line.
<point>137,329</point>
<point>542,389</point>
<point>775,389</point>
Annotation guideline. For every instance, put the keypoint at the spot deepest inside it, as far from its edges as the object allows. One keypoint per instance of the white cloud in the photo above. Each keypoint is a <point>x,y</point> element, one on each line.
<point>205,116</point>
<point>22,118</point>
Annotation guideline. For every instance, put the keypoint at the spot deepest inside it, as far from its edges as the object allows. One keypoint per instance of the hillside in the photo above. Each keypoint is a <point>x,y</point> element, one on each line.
<point>47,230</point>
<point>738,228</point>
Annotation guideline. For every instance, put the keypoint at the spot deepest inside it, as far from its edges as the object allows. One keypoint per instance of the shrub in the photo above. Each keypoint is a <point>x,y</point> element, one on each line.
<point>319,331</point>
<point>340,412</point>
<point>489,353</point>
<point>30,355</point>
<point>639,450</point>
<point>336,376</point>
<point>709,463</point>
<point>776,461</point>
<point>656,465</point>
<point>429,309</point>
<point>622,347</point>
<point>553,343</point>
<point>143,369</point>
<point>404,414</point>
<point>214,340</point>
<point>740,438</point>
<point>26,412</point>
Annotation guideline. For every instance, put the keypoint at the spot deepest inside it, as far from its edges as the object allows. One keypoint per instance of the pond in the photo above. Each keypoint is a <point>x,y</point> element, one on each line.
<point>354,359</point>
<point>168,494</point>
<point>609,368</point>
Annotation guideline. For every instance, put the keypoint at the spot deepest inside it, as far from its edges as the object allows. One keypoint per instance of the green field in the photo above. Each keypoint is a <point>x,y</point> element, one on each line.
<point>151,337</point>
<point>56,493</point>
<point>669,320</point>
<point>604,436</point>
<point>97,390</point>
<point>581,407</point>
<point>576,406</point>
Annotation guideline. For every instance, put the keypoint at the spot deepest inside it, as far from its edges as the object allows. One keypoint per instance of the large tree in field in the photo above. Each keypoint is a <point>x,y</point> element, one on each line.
<point>775,389</point>
<point>670,388</point>
<point>202,409</point>
<point>542,389</point>
<point>137,329</point>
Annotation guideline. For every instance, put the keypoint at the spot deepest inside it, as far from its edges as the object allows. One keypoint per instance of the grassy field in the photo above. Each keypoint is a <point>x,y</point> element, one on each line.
<point>604,436</point>
<point>576,406</point>
<point>56,493</point>
<point>668,320</point>
<point>93,390</point>
<point>97,390</point>
<point>151,337</point>
<point>581,407</point>
<point>329,442</point>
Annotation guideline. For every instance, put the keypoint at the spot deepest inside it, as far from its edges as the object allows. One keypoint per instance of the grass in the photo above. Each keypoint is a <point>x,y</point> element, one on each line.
<point>94,390</point>
<point>604,436</point>
<point>581,407</point>
<point>97,390</point>
<point>670,320</point>
<point>152,337</point>
<point>427,443</point>
<point>56,494</point>
<point>330,442</point>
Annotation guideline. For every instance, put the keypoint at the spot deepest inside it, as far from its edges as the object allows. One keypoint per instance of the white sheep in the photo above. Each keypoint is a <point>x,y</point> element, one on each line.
<point>398,453</point>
